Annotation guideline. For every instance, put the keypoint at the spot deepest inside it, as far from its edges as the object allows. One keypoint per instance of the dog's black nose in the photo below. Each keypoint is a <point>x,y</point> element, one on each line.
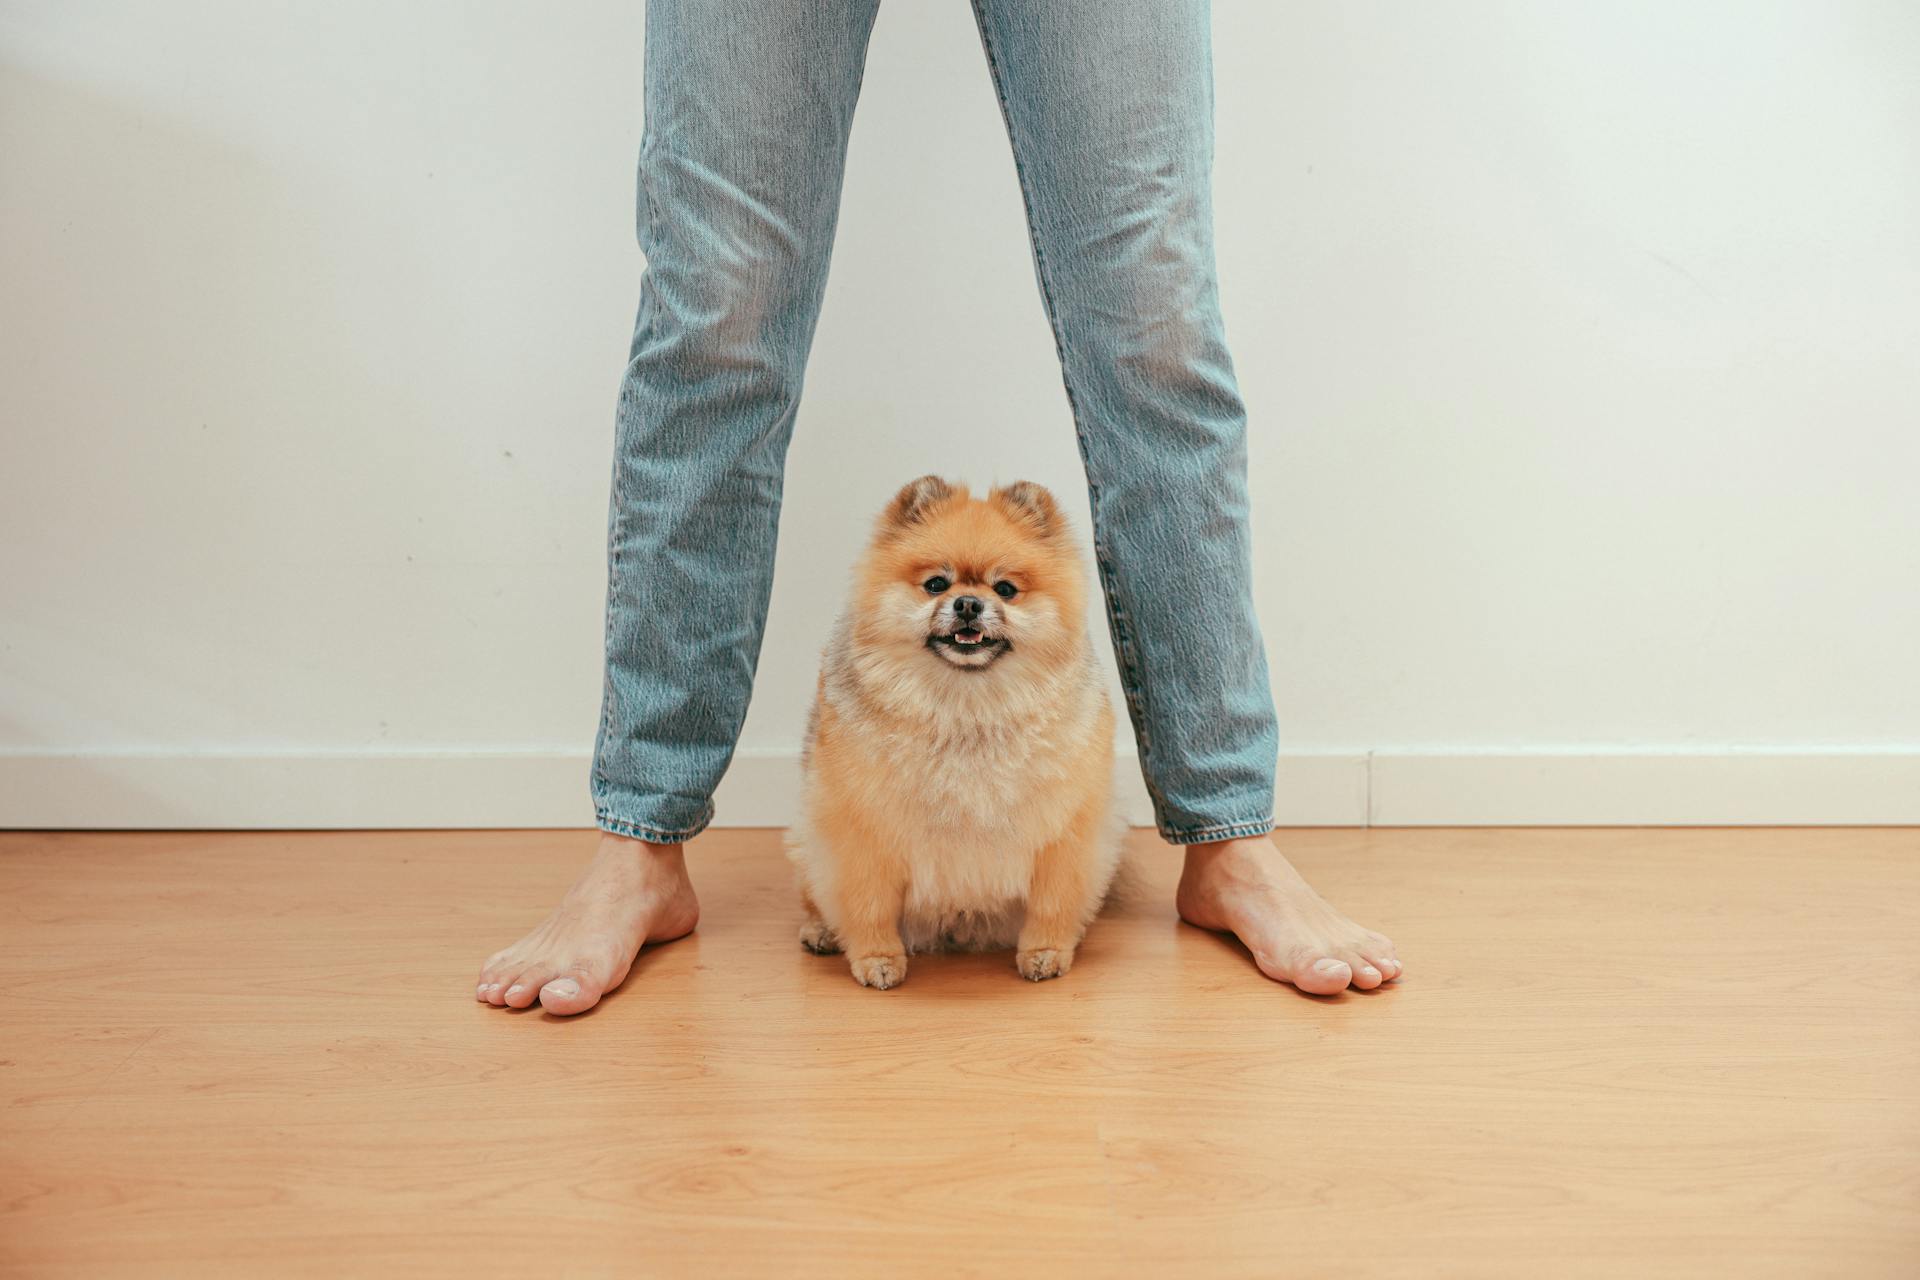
<point>967,608</point>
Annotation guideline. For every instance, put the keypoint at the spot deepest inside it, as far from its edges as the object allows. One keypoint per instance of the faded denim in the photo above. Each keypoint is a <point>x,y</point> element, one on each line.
<point>1109,108</point>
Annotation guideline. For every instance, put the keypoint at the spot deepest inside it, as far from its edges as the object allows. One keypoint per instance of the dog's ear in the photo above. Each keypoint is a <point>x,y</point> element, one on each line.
<point>917,498</point>
<point>1029,503</point>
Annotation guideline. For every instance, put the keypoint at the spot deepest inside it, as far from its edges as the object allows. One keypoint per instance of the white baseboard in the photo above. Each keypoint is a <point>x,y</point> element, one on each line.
<point>241,790</point>
<point>237,790</point>
<point>1577,788</point>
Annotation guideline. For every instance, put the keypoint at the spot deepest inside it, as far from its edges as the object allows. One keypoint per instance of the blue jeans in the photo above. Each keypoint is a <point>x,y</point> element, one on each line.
<point>1109,107</point>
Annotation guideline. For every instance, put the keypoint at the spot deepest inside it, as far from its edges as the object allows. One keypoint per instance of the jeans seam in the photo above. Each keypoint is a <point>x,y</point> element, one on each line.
<point>1124,648</point>
<point>1217,831</point>
<point>644,331</point>
<point>607,821</point>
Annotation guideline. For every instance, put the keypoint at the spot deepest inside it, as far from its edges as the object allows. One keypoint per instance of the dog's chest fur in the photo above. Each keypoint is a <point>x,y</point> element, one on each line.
<point>964,798</point>
<point>978,807</point>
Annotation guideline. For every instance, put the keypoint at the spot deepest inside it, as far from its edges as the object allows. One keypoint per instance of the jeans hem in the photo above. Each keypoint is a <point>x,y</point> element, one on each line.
<point>1217,831</point>
<point>652,835</point>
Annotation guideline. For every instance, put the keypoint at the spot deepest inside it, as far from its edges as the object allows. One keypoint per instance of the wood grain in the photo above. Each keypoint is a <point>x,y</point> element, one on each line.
<point>1670,1052</point>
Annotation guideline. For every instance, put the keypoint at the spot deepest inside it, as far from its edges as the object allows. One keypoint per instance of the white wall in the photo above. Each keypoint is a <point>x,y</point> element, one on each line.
<point>1582,345</point>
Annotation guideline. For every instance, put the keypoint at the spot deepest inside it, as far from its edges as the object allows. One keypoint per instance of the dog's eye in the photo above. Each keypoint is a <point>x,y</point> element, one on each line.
<point>936,585</point>
<point>1006,590</point>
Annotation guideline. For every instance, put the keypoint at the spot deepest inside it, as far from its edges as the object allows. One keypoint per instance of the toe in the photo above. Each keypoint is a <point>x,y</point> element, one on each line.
<point>525,988</point>
<point>1042,963</point>
<point>1379,949</point>
<point>571,993</point>
<point>817,937</point>
<point>1366,974</point>
<point>880,972</point>
<point>1322,975</point>
<point>493,976</point>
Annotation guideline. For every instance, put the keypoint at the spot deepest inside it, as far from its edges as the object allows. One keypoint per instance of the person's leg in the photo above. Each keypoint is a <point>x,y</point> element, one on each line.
<point>1109,106</point>
<point>748,109</point>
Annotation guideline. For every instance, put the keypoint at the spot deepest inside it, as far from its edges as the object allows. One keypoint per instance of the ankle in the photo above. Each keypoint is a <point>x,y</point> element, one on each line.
<point>1252,862</point>
<point>637,868</point>
<point>644,853</point>
<point>1225,854</point>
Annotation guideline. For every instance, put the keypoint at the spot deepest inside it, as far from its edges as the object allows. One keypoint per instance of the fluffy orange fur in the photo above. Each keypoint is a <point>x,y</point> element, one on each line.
<point>959,757</point>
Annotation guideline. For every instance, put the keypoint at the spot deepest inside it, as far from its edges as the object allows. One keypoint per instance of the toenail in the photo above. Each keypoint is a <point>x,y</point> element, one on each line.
<point>515,990</point>
<point>1329,965</point>
<point>1369,970</point>
<point>566,988</point>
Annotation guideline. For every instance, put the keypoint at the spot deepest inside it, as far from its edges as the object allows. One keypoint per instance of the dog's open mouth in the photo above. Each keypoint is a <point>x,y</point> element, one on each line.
<point>967,643</point>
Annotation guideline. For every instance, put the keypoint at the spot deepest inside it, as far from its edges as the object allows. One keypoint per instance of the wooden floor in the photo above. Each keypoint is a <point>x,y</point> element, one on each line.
<point>1645,1052</point>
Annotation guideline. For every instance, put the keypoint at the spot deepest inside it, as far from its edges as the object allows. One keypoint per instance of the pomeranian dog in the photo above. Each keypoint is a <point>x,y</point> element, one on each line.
<point>959,754</point>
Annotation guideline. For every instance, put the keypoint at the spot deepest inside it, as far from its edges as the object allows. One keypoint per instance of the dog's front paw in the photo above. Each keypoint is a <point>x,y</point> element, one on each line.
<point>818,937</point>
<point>1043,962</point>
<point>880,972</point>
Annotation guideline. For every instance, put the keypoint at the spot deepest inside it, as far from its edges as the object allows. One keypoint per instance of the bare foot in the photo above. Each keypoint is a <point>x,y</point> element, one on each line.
<point>1249,889</point>
<point>631,893</point>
